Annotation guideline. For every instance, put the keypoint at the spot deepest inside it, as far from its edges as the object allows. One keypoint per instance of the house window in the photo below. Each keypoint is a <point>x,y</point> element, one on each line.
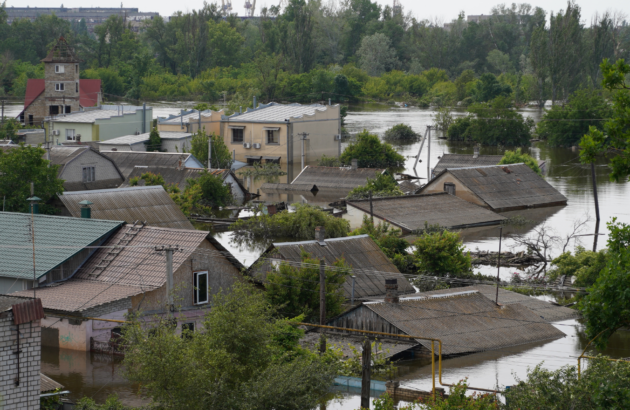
<point>30,119</point>
<point>237,135</point>
<point>59,69</point>
<point>200,284</point>
<point>60,87</point>
<point>449,187</point>
<point>77,87</point>
<point>68,109</point>
<point>76,68</point>
<point>70,136</point>
<point>53,110</point>
<point>273,136</point>
<point>89,174</point>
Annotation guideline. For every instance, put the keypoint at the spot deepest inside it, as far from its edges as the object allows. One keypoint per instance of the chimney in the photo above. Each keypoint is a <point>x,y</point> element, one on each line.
<point>355,163</point>
<point>34,204</point>
<point>86,211</point>
<point>476,152</point>
<point>391,291</point>
<point>254,102</point>
<point>320,235</point>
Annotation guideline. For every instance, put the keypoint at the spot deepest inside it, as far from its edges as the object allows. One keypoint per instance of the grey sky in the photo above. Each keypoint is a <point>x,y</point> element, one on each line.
<point>442,10</point>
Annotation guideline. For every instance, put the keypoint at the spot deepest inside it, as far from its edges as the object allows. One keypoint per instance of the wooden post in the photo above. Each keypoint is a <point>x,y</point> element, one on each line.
<point>499,263</point>
<point>595,191</point>
<point>595,236</point>
<point>366,359</point>
<point>322,292</point>
<point>371,210</point>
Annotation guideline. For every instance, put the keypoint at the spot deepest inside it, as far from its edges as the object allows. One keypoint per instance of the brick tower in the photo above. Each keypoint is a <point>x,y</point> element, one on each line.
<point>61,75</point>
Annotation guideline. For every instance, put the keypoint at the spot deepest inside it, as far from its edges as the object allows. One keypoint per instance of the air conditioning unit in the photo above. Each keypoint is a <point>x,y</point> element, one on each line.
<point>247,145</point>
<point>55,132</point>
<point>338,137</point>
<point>257,145</point>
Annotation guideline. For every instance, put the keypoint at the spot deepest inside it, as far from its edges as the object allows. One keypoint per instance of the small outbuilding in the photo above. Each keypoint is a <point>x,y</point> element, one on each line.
<point>500,188</point>
<point>171,142</point>
<point>412,212</point>
<point>127,161</point>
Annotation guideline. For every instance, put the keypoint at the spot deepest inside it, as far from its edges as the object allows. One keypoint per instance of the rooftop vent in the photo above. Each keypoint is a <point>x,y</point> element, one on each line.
<point>320,235</point>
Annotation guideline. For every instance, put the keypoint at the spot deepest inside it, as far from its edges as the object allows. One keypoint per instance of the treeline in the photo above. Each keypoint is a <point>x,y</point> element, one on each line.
<point>351,51</point>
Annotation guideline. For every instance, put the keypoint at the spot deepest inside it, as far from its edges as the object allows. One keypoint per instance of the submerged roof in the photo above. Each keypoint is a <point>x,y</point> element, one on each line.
<point>506,187</point>
<point>336,177</point>
<point>128,160</point>
<point>274,112</point>
<point>412,212</point>
<point>466,322</point>
<point>180,177</point>
<point>370,265</point>
<point>465,161</point>
<point>135,139</point>
<point>150,204</point>
<point>57,238</point>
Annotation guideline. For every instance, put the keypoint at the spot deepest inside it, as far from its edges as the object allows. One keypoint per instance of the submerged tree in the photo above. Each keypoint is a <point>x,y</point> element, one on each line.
<point>517,157</point>
<point>372,153</point>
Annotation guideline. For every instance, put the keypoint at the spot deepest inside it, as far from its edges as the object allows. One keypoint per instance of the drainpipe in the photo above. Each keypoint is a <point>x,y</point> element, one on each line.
<point>86,211</point>
<point>181,119</point>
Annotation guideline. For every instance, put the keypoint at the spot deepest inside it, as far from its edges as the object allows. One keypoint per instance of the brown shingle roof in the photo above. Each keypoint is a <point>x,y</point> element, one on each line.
<point>335,177</point>
<point>507,187</point>
<point>411,212</point>
<point>465,323</point>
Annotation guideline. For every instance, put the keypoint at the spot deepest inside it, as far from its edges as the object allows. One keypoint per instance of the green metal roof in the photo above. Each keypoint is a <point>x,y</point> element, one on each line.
<point>57,238</point>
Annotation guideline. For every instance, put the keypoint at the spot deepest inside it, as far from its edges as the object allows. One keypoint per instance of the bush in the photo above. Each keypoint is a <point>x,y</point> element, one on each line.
<point>516,157</point>
<point>442,254</point>
<point>383,185</point>
<point>325,161</point>
<point>401,133</point>
<point>372,153</point>
<point>584,265</point>
<point>150,178</point>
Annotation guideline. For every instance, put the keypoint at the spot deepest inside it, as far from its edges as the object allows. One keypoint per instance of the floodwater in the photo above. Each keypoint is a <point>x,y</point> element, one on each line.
<point>95,376</point>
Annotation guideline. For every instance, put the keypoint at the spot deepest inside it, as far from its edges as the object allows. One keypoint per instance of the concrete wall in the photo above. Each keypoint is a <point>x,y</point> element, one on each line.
<point>322,128</point>
<point>104,168</point>
<point>26,394</point>
<point>10,285</point>
<point>176,145</point>
<point>127,124</point>
<point>355,217</point>
<point>85,130</point>
<point>437,185</point>
<point>254,133</point>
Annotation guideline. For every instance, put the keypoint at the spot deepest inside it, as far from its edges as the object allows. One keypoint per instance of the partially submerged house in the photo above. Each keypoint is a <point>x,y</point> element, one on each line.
<point>465,321</point>
<point>336,177</point>
<point>276,132</point>
<point>411,213</point>
<point>147,205</point>
<point>178,177</point>
<point>369,264</point>
<point>128,273</point>
<point>171,142</point>
<point>452,161</point>
<point>127,161</point>
<point>191,121</point>
<point>500,188</point>
<point>62,245</point>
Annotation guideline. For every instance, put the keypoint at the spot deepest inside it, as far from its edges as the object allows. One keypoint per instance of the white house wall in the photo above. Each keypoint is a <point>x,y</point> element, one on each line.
<point>127,124</point>
<point>104,168</point>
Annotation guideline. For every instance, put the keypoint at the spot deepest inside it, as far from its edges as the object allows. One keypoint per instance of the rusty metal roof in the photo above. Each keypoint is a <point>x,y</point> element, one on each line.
<point>466,323</point>
<point>411,212</point>
<point>336,177</point>
<point>360,252</point>
<point>27,311</point>
<point>141,203</point>
<point>465,161</point>
<point>506,187</point>
<point>546,310</point>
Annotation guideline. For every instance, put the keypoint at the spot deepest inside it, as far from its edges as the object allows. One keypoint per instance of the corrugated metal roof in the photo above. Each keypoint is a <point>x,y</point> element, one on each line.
<point>88,117</point>
<point>189,117</point>
<point>507,187</point>
<point>411,212</point>
<point>360,252</point>
<point>465,323</point>
<point>409,187</point>
<point>288,187</point>
<point>7,301</point>
<point>135,139</point>
<point>274,112</point>
<point>48,385</point>
<point>50,231</point>
<point>128,160</point>
<point>140,203</point>
<point>464,161</point>
<point>27,311</point>
<point>336,177</point>
<point>546,310</point>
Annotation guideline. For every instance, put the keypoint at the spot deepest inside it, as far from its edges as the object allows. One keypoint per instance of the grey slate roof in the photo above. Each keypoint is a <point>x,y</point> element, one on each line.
<point>186,118</point>
<point>507,187</point>
<point>546,310</point>
<point>180,176</point>
<point>128,160</point>
<point>7,301</point>
<point>466,323</point>
<point>465,161</point>
<point>135,139</point>
<point>141,203</point>
<point>88,117</point>
<point>274,112</point>
<point>411,212</point>
<point>336,177</point>
<point>57,238</point>
<point>48,385</point>
<point>360,252</point>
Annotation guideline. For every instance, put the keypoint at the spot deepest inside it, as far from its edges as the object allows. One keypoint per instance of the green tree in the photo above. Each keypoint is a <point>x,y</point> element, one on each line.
<point>221,157</point>
<point>564,125</point>
<point>214,191</point>
<point>390,242</point>
<point>442,254</point>
<point>518,157</point>
<point>488,88</point>
<point>155,142</point>
<point>295,290</point>
<point>241,358</point>
<point>585,266</point>
<point>382,186</point>
<point>401,133</point>
<point>371,152</point>
<point>616,133</point>
<point>19,167</point>
<point>376,55</point>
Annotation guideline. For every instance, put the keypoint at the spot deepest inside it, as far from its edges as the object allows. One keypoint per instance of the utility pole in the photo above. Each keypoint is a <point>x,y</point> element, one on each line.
<point>371,209</point>
<point>303,136</point>
<point>322,303</point>
<point>595,191</point>
<point>429,156</point>
<point>499,263</point>
<point>168,250</point>
<point>209,151</point>
<point>366,359</point>
<point>3,112</point>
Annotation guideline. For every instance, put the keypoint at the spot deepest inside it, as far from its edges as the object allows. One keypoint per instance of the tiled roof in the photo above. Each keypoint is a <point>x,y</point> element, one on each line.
<point>134,139</point>
<point>411,212</point>
<point>336,177</point>
<point>140,203</point>
<point>274,112</point>
<point>467,322</point>
<point>128,160</point>
<point>57,238</point>
<point>34,87</point>
<point>89,91</point>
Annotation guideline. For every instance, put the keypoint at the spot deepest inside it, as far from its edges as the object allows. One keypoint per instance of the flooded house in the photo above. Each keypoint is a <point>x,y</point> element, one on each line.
<point>171,142</point>
<point>465,321</point>
<point>452,161</point>
<point>411,213</point>
<point>369,264</point>
<point>500,188</point>
<point>126,161</point>
<point>146,205</point>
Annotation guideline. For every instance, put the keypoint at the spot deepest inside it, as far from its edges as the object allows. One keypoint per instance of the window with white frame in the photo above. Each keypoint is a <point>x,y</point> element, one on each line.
<point>59,68</point>
<point>89,174</point>
<point>60,87</point>
<point>70,135</point>
<point>200,287</point>
<point>273,136</point>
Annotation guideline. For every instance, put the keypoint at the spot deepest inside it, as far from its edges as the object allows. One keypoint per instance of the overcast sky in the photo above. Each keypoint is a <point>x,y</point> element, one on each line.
<point>442,10</point>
